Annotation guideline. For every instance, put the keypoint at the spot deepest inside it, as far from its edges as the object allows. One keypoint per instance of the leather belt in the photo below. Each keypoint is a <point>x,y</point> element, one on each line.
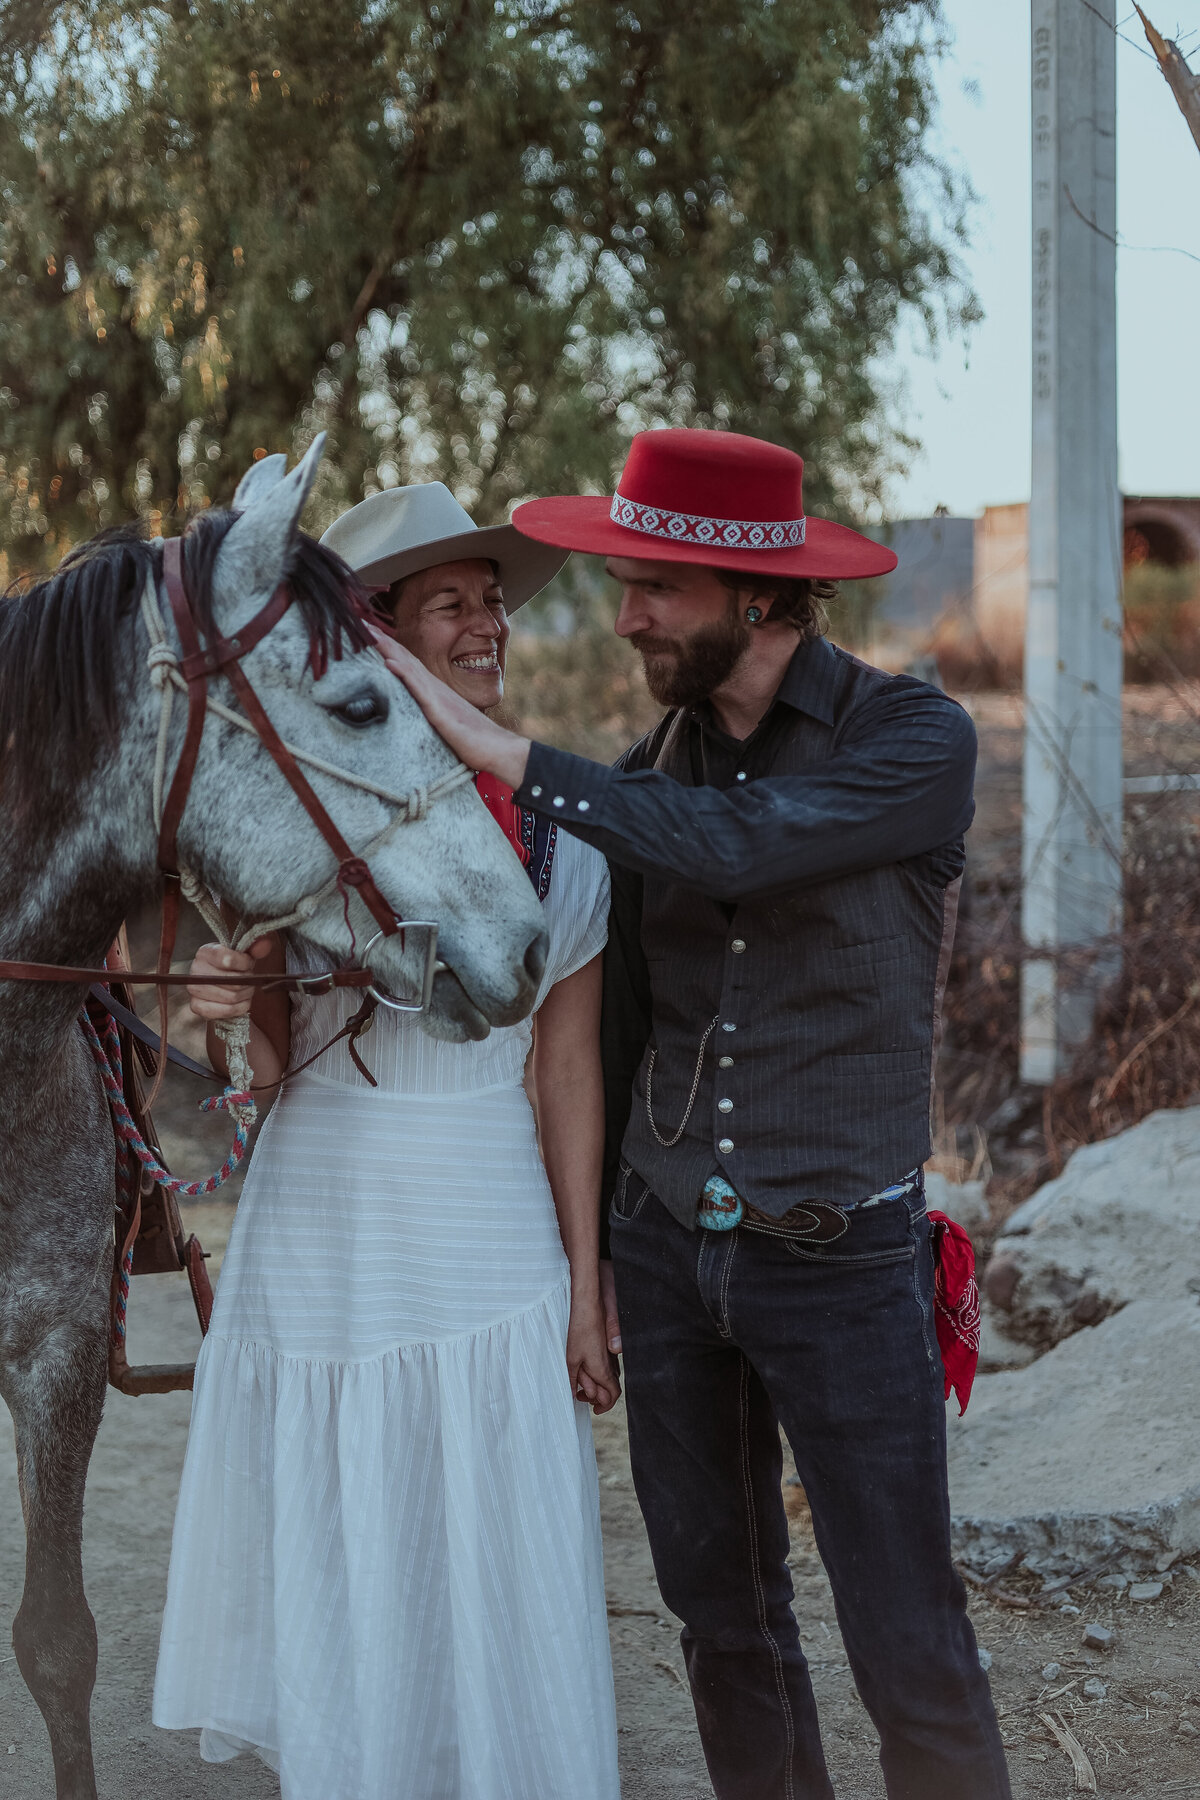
<point>722,1208</point>
<point>814,1220</point>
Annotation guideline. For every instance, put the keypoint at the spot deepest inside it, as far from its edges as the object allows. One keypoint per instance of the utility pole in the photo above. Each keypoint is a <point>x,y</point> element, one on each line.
<point>1071,871</point>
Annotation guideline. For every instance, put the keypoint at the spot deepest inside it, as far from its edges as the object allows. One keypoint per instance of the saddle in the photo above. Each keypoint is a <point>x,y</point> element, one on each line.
<point>150,1237</point>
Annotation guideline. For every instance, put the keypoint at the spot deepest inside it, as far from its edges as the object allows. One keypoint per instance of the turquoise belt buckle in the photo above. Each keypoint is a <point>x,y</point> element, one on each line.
<point>720,1207</point>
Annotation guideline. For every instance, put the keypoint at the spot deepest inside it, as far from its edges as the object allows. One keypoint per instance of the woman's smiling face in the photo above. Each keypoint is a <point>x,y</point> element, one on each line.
<point>453,620</point>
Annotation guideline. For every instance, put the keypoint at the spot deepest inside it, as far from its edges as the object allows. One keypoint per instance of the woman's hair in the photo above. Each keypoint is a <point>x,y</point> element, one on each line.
<point>798,601</point>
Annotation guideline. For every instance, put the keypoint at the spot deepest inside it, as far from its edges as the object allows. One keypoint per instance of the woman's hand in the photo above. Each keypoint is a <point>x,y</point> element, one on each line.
<point>592,1370</point>
<point>232,1002</point>
<point>478,740</point>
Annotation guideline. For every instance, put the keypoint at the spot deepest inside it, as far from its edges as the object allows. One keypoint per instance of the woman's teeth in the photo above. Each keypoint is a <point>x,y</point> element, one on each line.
<point>476,662</point>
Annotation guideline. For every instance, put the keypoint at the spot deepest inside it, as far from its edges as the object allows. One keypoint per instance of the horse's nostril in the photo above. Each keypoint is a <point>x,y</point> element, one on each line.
<point>535,957</point>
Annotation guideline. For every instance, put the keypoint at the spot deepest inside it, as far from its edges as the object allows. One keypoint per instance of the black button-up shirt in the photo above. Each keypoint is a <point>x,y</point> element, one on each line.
<point>793,888</point>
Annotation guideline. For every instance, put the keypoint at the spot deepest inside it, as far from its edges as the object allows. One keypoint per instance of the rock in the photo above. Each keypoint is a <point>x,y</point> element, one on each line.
<point>1069,1610</point>
<point>1090,1452</point>
<point>1187,1729</point>
<point>1191,1571</point>
<point>1106,1232</point>
<point>1098,1637</point>
<point>1120,1582</point>
<point>1160,1696</point>
<point>1051,1672</point>
<point>1000,1280</point>
<point>1095,1689</point>
<point>997,1563</point>
<point>963,1202</point>
<point>997,1350</point>
<point>1146,1590</point>
<point>1163,1563</point>
<point>985,1659</point>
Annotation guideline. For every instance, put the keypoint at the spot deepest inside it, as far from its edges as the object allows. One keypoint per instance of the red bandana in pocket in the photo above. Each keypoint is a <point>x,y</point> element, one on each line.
<point>956,1306</point>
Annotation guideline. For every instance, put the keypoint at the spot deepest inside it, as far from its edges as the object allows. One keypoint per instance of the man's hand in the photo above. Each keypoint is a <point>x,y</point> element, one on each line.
<point>608,1299</point>
<point>478,740</point>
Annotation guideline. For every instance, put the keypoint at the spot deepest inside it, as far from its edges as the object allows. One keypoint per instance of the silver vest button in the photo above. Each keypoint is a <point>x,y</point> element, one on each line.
<point>724,1105</point>
<point>737,946</point>
<point>724,1062</point>
<point>725,1146</point>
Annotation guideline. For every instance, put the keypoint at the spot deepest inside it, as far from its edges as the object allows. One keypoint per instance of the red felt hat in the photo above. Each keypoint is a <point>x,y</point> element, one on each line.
<point>707,497</point>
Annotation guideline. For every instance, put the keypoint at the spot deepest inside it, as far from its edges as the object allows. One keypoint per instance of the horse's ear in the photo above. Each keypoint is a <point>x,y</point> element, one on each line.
<point>253,556</point>
<point>266,473</point>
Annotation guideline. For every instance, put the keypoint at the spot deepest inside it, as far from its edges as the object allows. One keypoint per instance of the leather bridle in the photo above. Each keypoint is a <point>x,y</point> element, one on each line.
<point>198,664</point>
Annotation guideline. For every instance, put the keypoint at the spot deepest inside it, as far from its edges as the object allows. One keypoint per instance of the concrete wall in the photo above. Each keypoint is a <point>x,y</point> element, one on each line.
<point>934,572</point>
<point>1000,593</point>
<point>932,582</point>
<point>1159,528</point>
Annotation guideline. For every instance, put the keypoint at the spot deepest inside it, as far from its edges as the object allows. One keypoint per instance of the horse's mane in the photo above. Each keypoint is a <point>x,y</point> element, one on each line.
<point>67,642</point>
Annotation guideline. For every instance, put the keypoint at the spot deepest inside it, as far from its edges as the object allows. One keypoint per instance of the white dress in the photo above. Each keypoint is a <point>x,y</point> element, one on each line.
<point>386,1570</point>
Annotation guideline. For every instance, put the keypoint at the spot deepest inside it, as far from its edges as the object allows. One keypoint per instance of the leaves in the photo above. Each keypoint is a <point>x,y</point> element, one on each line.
<point>479,242</point>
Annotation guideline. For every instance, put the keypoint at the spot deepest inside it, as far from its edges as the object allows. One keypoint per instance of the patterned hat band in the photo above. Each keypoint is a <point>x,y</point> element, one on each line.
<point>692,528</point>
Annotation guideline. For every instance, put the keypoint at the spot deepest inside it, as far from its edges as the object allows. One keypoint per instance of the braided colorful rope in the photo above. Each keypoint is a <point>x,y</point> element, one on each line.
<point>132,1148</point>
<point>238,1103</point>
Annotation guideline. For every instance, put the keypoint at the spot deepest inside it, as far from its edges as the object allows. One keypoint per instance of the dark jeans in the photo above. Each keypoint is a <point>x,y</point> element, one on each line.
<point>727,1336</point>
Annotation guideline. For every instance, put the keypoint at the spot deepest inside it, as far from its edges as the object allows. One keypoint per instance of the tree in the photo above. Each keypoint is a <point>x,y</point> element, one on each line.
<point>477,240</point>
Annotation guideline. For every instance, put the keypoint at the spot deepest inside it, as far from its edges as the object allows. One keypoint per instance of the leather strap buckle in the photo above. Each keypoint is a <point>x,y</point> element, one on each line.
<point>814,1220</point>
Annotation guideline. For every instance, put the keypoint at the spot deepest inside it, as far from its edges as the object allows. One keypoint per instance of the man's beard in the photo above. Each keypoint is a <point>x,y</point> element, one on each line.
<point>684,672</point>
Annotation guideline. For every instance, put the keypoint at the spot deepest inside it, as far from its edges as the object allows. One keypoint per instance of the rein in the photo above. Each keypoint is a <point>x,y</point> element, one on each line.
<point>191,674</point>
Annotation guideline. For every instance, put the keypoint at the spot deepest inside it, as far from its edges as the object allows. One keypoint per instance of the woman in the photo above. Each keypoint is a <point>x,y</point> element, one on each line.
<point>386,1572</point>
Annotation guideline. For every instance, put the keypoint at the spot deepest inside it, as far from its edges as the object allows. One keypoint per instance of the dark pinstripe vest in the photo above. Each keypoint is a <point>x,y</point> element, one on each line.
<point>827,1000</point>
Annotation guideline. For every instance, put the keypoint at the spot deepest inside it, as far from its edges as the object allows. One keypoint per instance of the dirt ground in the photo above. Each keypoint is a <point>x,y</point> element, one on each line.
<point>1142,1734</point>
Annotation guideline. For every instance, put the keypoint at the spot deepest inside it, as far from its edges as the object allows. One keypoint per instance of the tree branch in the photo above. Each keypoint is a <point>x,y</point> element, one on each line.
<point>1183,84</point>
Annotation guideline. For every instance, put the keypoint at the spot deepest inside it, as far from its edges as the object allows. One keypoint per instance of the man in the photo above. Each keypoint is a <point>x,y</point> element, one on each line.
<point>786,847</point>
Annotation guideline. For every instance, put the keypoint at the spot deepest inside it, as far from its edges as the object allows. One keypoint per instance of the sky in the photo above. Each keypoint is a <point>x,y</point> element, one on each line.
<point>969,403</point>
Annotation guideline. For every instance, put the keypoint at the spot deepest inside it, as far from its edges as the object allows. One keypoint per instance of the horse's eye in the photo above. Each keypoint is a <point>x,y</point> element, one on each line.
<point>361,709</point>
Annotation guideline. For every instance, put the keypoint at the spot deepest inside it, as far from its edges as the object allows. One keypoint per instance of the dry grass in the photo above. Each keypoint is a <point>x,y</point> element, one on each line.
<point>1144,1052</point>
<point>584,692</point>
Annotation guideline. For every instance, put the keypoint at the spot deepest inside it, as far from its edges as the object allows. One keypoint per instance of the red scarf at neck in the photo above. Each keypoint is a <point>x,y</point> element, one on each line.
<point>497,796</point>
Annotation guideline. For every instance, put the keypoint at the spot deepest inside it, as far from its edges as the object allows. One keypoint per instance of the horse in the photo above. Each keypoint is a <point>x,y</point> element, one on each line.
<point>81,741</point>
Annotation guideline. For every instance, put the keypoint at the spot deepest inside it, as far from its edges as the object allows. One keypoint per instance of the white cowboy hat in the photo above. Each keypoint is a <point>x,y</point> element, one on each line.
<point>404,529</point>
